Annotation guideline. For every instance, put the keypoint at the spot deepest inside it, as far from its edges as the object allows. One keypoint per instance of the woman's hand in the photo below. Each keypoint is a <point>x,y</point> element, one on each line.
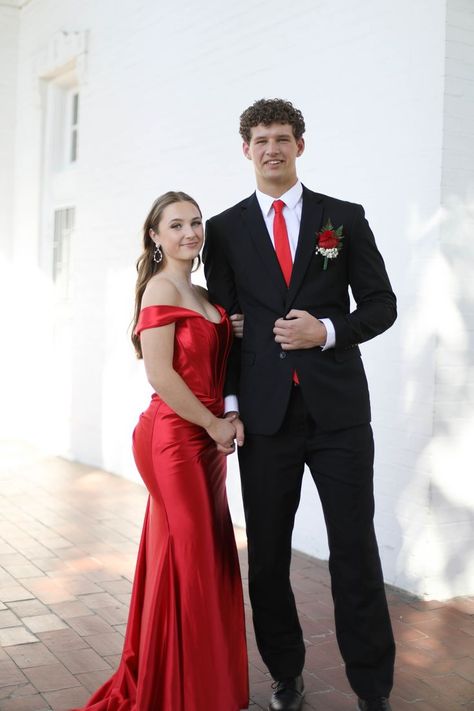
<point>223,432</point>
<point>237,323</point>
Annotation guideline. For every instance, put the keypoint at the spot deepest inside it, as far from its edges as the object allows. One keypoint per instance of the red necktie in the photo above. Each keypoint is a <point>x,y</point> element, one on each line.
<point>282,248</point>
<point>282,244</point>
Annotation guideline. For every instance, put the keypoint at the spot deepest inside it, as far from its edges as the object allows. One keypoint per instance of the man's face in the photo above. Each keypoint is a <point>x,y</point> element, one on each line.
<point>273,150</point>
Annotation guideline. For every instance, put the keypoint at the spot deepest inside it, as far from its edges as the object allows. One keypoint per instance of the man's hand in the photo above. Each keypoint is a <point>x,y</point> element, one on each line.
<point>239,427</point>
<point>237,323</point>
<point>233,417</point>
<point>299,330</point>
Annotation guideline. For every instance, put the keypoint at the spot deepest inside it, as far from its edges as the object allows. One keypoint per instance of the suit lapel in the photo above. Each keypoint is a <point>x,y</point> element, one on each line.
<point>311,218</point>
<point>252,216</point>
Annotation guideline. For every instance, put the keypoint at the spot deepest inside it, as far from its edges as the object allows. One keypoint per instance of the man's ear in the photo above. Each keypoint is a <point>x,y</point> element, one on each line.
<point>301,145</point>
<point>246,150</point>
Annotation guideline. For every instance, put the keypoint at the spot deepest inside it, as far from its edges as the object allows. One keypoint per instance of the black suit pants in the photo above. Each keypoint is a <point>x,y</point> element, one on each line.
<point>341,464</point>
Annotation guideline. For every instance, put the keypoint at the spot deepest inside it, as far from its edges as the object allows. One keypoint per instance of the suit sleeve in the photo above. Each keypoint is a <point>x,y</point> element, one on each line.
<point>376,303</point>
<point>222,290</point>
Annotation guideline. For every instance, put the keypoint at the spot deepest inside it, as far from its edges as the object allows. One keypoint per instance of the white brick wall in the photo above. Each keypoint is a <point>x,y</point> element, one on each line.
<point>160,102</point>
<point>451,524</point>
<point>9,30</point>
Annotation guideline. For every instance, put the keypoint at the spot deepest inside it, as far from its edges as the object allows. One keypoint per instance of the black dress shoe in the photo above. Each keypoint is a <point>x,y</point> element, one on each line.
<point>288,695</point>
<point>378,704</point>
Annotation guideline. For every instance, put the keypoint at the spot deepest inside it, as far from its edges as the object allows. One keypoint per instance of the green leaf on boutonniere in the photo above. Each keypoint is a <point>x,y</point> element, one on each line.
<point>329,242</point>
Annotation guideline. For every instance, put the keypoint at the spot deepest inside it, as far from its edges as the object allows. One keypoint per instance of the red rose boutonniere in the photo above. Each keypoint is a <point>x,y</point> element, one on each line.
<point>329,242</point>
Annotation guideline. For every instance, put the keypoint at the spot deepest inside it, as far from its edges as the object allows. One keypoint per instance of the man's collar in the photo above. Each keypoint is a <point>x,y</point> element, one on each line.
<point>290,198</point>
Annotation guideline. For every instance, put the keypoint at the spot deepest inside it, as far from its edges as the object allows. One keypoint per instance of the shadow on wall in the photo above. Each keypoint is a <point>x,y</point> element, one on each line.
<point>456,548</point>
<point>436,510</point>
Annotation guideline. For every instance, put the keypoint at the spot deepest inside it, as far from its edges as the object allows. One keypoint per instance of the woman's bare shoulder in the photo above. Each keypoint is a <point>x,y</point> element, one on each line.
<point>160,291</point>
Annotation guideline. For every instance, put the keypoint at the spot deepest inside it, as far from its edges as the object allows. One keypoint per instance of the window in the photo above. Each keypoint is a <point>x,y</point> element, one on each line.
<point>73,126</point>
<point>63,229</point>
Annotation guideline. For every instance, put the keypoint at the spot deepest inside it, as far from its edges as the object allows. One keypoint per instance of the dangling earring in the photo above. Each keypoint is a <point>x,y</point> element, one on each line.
<point>157,254</point>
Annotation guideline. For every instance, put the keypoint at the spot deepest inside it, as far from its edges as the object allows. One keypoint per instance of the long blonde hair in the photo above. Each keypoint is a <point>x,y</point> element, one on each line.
<point>146,265</point>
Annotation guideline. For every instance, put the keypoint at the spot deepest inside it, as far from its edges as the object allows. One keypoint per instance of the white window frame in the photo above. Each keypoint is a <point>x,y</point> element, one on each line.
<point>63,230</point>
<point>71,126</point>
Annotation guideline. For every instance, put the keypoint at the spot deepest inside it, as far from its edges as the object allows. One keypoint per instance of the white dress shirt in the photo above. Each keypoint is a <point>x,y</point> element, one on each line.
<point>293,199</point>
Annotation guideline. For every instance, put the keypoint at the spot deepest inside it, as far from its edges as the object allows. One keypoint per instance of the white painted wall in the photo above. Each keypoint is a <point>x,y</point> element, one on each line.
<point>161,93</point>
<point>439,543</point>
<point>9,28</point>
<point>9,31</point>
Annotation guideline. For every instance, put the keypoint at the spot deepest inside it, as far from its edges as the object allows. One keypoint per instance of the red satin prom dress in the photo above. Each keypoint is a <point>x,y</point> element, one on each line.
<point>185,644</point>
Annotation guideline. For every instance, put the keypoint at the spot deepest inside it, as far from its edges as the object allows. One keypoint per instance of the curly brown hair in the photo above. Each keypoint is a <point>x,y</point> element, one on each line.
<point>267,111</point>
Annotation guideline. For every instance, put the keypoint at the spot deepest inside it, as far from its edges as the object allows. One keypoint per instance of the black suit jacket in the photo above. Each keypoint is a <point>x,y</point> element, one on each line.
<point>243,275</point>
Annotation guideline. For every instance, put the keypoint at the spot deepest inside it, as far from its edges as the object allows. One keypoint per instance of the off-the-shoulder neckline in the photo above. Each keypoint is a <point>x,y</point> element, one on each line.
<point>220,309</point>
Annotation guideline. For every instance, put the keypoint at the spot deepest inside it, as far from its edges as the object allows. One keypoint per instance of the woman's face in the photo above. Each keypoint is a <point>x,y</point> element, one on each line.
<point>180,232</point>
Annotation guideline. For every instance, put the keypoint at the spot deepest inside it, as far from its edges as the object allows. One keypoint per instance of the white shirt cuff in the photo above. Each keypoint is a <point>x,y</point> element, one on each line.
<point>331,334</point>
<point>231,403</point>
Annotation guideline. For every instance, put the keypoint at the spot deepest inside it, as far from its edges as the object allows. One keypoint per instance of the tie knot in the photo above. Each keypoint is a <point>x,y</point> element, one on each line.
<point>278,206</point>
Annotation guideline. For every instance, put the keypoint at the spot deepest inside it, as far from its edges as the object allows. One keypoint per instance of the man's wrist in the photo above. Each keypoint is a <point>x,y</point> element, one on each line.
<point>330,341</point>
<point>231,404</point>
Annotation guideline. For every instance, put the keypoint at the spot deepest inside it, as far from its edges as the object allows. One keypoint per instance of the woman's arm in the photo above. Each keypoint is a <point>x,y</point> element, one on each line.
<point>158,348</point>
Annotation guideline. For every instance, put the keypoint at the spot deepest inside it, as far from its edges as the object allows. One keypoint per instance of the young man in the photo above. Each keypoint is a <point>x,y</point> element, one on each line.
<point>285,257</point>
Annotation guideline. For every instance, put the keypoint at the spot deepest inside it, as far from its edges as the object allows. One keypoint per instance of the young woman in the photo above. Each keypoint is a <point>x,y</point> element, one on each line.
<point>185,642</point>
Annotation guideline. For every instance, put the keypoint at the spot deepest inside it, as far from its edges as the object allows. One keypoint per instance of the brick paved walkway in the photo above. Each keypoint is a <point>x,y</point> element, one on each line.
<point>68,539</point>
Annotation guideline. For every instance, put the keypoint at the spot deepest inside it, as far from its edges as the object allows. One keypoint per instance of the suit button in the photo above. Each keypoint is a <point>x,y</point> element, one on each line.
<point>282,355</point>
